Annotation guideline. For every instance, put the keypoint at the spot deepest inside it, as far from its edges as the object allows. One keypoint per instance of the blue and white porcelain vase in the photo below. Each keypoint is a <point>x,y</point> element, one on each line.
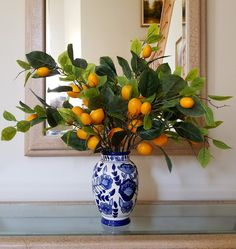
<point>115,187</point>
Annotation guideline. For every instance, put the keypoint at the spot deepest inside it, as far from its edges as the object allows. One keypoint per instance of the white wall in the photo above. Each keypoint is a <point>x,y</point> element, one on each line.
<point>23,178</point>
<point>121,25</point>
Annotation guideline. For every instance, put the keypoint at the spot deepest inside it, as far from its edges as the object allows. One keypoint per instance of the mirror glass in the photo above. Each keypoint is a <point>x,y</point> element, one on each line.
<point>106,28</point>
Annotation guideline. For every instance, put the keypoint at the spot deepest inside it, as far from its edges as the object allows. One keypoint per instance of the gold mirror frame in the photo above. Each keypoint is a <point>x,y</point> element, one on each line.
<point>36,143</point>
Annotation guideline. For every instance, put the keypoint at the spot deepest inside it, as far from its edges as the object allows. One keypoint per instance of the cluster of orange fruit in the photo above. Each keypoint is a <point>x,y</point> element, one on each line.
<point>136,111</point>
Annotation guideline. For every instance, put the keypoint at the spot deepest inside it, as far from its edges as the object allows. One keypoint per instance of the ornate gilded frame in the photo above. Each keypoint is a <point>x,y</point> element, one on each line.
<point>36,144</point>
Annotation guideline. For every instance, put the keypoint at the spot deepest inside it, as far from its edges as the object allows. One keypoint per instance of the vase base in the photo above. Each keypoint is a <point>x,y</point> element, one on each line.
<point>115,223</point>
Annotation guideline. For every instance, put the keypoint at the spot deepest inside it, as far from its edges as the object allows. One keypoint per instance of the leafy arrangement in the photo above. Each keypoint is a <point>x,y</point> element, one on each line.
<point>139,110</point>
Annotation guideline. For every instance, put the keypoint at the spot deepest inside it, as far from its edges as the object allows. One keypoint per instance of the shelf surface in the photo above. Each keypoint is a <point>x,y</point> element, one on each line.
<point>83,219</point>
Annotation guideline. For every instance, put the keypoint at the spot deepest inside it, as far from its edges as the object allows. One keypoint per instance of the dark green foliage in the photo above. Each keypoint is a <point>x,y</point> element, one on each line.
<point>70,138</point>
<point>148,83</point>
<point>39,59</point>
<point>189,131</point>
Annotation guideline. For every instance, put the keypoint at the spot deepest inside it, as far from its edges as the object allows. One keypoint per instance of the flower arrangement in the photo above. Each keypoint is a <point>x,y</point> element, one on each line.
<point>138,110</point>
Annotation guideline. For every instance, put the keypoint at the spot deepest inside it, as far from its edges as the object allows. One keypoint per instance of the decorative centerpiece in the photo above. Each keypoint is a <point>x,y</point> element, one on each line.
<point>143,108</point>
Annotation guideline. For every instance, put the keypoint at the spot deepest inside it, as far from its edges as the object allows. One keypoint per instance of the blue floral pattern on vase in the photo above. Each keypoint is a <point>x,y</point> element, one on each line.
<point>106,181</point>
<point>127,189</point>
<point>125,206</point>
<point>105,208</point>
<point>127,168</point>
<point>115,187</point>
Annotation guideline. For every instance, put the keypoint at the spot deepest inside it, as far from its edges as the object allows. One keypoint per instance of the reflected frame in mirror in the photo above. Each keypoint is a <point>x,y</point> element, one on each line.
<point>36,143</point>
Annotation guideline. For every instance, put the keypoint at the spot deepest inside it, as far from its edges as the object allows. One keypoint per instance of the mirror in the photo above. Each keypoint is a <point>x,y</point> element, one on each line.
<point>107,27</point>
<point>92,39</point>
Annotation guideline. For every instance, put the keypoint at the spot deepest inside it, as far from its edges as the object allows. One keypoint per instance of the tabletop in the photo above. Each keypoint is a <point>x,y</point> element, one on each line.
<point>35,219</point>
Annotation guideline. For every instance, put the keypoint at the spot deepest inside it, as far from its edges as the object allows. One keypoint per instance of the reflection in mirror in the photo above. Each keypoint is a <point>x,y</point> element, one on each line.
<point>123,21</point>
<point>107,27</point>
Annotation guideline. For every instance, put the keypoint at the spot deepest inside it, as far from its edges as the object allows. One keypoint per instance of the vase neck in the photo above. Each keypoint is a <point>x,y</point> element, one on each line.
<point>115,156</point>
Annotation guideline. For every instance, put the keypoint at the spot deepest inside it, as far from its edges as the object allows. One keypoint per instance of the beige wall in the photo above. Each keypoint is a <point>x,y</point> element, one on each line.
<point>23,178</point>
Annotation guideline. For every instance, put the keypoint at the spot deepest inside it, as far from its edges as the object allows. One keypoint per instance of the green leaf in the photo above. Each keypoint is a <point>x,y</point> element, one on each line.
<point>216,124</point>
<point>168,161</point>
<point>8,116</point>
<point>219,98</point>
<point>196,111</point>
<point>170,103</point>
<point>104,70</point>
<point>53,117</point>
<point>71,139</point>
<point>8,133</point>
<point>64,59</point>
<point>147,122</point>
<point>23,126</point>
<point>164,69</point>
<point>68,78</point>
<point>27,77</point>
<point>198,83</point>
<point>173,135</point>
<point>25,108</point>
<point>204,131</point>
<point>136,46</point>
<point>149,99</point>
<point>67,104</point>
<point>204,157</point>
<point>89,130</point>
<point>192,74</point>
<point>90,93</point>
<point>189,131</point>
<point>116,115</point>
<point>134,85</point>
<point>172,84</point>
<point>67,115</point>
<point>148,83</point>
<point>38,120</point>
<point>107,61</point>
<point>40,110</point>
<point>60,89</point>
<point>153,39</point>
<point>117,105</point>
<point>122,80</point>
<point>102,80</point>
<point>24,64</point>
<point>154,49</point>
<point>178,71</point>
<point>195,86</point>
<point>209,116</point>
<point>90,69</point>
<point>70,52</point>
<point>118,137</point>
<point>221,145</point>
<point>40,59</point>
<point>156,130</point>
<point>188,91</point>
<point>42,101</point>
<point>96,102</point>
<point>81,63</point>
<point>153,29</point>
<point>125,67</point>
<point>138,64</point>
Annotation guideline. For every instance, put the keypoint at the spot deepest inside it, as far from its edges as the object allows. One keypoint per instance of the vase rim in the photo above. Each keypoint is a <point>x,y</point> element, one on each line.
<point>112,153</point>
